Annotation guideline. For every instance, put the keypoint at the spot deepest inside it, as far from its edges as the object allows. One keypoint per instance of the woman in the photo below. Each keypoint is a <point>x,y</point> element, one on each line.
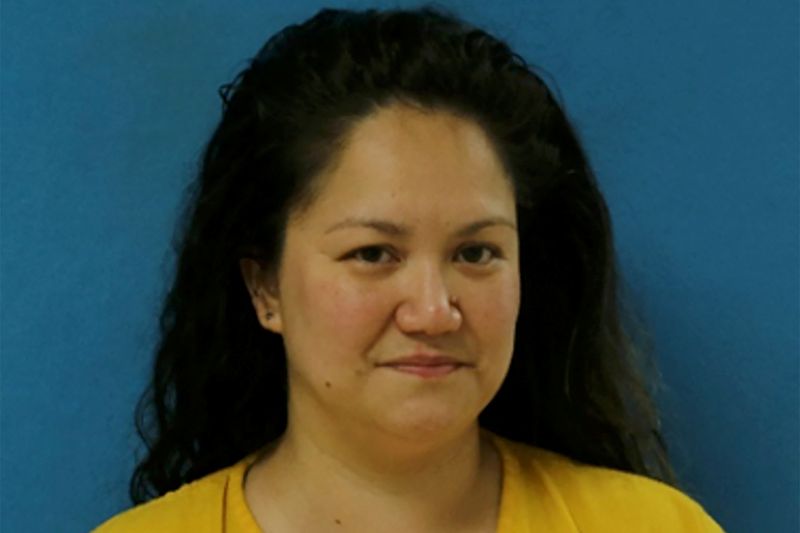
<point>395,306</point>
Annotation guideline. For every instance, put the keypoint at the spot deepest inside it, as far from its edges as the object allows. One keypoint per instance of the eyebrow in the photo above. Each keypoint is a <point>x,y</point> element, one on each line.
<point>399,230</point>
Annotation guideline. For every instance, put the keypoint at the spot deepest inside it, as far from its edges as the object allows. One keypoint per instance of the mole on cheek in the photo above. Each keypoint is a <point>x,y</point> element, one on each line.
<point>328,384</point>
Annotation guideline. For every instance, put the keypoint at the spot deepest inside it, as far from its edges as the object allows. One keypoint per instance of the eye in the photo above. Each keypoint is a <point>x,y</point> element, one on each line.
<point>479,254</point>
<point>370,254</point>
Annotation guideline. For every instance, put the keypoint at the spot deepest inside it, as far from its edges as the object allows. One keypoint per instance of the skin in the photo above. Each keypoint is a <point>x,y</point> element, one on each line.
<point>379,266</point>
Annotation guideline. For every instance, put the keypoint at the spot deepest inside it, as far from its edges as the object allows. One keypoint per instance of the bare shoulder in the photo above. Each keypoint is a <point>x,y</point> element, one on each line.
<point>196,506</point>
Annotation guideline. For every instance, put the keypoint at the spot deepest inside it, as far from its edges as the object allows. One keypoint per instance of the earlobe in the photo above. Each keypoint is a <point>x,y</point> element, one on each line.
<point>262,294</point>
<point>271,321</point>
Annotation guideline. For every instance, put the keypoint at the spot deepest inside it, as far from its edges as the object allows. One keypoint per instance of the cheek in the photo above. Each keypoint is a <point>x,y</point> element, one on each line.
<point>495,326</point>
<point>497,308</point>
<point>337,317</point>
<point>349,307</point>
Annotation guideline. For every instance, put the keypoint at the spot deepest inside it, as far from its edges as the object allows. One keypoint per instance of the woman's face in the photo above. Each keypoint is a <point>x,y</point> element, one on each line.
<point>409,249</point>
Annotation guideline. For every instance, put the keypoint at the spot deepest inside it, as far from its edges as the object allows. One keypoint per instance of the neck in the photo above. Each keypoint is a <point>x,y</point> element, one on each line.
<point>350,476</point>
<point>379,463</point>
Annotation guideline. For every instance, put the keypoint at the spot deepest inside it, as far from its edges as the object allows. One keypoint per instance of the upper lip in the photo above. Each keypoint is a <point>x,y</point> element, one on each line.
<point>424,360</point>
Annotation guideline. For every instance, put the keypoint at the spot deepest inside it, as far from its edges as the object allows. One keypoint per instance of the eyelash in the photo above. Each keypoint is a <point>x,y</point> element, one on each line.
<point>494,253</point>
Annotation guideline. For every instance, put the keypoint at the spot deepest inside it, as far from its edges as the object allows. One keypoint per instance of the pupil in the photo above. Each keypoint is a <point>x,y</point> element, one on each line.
<point>371,255</point>
<point>474,254</point>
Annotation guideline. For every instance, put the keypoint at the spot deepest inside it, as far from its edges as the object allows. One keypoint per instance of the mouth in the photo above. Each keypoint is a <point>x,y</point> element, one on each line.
<point>425,365</point>
<point>425,371</point>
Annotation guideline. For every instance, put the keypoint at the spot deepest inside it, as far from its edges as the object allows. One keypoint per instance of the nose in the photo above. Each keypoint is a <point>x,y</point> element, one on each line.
<point>427,306</point>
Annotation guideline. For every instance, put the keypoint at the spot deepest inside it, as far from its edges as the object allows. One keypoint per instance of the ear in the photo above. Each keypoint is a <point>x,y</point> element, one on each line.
<point>262,286</point>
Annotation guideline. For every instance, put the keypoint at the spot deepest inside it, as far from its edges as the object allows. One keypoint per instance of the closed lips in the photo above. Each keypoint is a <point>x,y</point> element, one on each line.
<point>424,360</point>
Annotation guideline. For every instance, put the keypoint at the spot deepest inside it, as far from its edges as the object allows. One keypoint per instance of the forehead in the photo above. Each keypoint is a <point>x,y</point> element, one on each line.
<point>413,160</point>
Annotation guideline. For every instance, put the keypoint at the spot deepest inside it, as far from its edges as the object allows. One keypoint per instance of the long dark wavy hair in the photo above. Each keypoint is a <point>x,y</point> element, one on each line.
<point>581,378</point>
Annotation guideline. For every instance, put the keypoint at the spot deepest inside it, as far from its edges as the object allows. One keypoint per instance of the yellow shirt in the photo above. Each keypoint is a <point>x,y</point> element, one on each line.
<point>542,491</point>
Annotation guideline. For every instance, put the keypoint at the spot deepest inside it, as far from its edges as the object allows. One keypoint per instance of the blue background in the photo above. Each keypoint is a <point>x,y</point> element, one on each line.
<point>689,111</point>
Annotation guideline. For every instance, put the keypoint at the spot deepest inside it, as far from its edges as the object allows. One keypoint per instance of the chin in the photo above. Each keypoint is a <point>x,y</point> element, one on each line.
<point>433,425</point>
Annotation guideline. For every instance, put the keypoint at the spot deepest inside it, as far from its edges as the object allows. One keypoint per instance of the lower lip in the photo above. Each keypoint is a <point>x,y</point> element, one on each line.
<point>426,371</point>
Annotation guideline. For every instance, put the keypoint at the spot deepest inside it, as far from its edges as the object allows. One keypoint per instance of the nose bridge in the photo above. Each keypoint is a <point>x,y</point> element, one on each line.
<point>429,285</point>
<point>426,298</point>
